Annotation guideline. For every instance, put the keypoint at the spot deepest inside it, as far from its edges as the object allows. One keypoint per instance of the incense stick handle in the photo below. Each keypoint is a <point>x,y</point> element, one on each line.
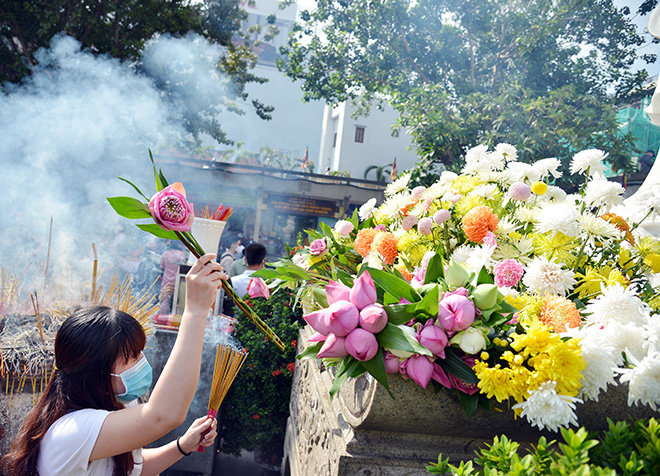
<point>211,414</point>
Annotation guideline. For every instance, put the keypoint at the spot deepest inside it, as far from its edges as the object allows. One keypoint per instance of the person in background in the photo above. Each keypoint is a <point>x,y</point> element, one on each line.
<point>239,265</point>
<point>255,258</point>
<point>229,244</point>
<point>646,161</point>
<point>89,422</point>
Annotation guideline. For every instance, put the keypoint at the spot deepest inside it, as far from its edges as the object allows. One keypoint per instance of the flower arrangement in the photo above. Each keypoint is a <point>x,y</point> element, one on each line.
<point>173,217</point>
<point>494,283</point>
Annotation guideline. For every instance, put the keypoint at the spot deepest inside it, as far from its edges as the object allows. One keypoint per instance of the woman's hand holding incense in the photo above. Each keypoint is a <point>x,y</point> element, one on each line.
<point>202,283</point>
<point>194,436</point>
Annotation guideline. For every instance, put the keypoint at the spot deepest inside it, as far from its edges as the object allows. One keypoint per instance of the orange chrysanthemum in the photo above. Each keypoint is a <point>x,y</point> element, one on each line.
<point>401,268</point>
<point>363,241</point>
<point>479,221</point>
<point>385,244</point>
<point>621,224</point>
<point>559,313</point>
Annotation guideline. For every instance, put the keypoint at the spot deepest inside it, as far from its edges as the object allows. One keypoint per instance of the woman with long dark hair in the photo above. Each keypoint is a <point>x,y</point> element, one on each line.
<point>88,421</point>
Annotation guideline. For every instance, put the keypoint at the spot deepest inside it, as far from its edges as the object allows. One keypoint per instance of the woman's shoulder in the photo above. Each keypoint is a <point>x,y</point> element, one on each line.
<point>75,421</point>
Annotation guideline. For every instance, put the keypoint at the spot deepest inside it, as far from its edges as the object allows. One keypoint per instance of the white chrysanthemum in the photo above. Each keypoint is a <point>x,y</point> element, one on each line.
<point>393,205</point>
<point>548,166</point>
<point>554,194</point>
<point>493,161</point>
<point>545,408</point>
<point>526,214</point>
<point>520,249</point>
<point>505,226</point>
<point>367,209</point>
<point>643,380</point>
<point>603,193</point>
<point>543,276</point>
<point>491,176</point>
<point>418,210</point>
<point>479,257</point>
<point>507,291</point>
<point>399,185</point>
<point>617,306</point>
<point>474,159</point>
<point>628,339</point>
<point>373,260</point>
<point>486,190</point>
<point>590,161</point>
<point>462,254</point>
<point>600,359</point>
<point>558,217</point>
<point>597,227</point>
<point>652,333</point>
<point>509,151</point>
<point>522,172</point>
<point>447,178</point>
<point>434,192</point>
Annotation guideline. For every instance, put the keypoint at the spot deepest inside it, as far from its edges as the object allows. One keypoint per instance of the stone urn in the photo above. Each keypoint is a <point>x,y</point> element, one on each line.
<point>363,431</point>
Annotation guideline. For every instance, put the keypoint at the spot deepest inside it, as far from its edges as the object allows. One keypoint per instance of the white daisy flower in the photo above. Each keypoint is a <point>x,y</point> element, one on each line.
<point>548,166</point>
<point>486,190</point>
<point>507,150</point>
<point>652,333</point>
<point>600,359</point>
<point>526,214</point>
<point>558,217</point>
<point>597,227</point>
<point>393,205</point>
<point>617,306</point>
<point>367,209</point>
<point>543,276</point>
<point>505,226</point>
<point>554,194</point>
<point>589,161</point>
<point>447,177</point>
<point>643,380</point>
<point>399,185</point>
<point>545,408</point>
<point>493,161</point>
<point>603,193</point>
<point>522,172</point>
<point>462,254</point>
<point>434,192</point>
<point>520,250</point>
<point>491,176</point>
<point>474,159</point>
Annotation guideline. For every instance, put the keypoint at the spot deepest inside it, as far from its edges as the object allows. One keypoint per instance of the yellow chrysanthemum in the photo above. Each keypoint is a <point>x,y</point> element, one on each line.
<point>653,261</point>
<point>496,382</point>
<point>561,362</point>
<point>614,276</point>
<point>414,246</point>
<point>539,188</point>
<point>589,282</point>
<point>466,204</point>
<point>530,311</point>
<point>625,259</point>
<point>536,339</point>
<point>557,247</point>
<point>647,245</point>
<point>464,184</point>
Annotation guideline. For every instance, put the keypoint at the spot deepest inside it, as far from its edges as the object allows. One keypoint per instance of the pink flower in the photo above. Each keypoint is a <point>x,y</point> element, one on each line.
<point>490,240</point>
<point>520,191</point>
<point>337,292</point>
<point>508,273</point>
<point>427,204</point>
<point>424,226</point>
<point>440,376</point>
<point>364,292</point>
<point>373,318</point>
<point>441,216</point>
<point>258,288</point>
<point>381,228</point>
<point>318,247</point>
<point>463,386</point>
<point>456,311</point>
<point>417,192</point>
<point>318,321</point>
<point>391,362</point>
<point>344,227</point>
<point>317,337</point>
<point>408,222</point>
<point>170,209</point>
<point>341,318</point>
<point>333,348</point>
<point>362,344</point>
<point>419,368</point>
<point>433,338</point>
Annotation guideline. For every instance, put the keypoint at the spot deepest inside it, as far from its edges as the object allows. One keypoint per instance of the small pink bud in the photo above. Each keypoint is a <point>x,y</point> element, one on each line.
<point>420,369</point>
<point>441,216</point>
<point>433,338</point>
<point>334,347</point>
<point>391,362</point>
<point>361,344</point>
<point>364,292</point>
<point>456,312</point>
<point>373,318</point>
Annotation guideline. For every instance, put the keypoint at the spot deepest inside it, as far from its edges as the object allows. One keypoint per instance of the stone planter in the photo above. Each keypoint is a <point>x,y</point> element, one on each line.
<point>364,432</point>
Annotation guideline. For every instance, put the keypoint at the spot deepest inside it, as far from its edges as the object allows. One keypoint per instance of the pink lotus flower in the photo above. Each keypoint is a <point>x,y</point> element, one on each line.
<point>463,386</point>
<point>391,362</point>
<point>333,348</point>
<point>364,292</point>
<point>344,227</point>
<point>373,318</point>
<point>317,337</point>
<point>361,344</point>
<point>341,318</point>
<point>258,288</point>
<point>440,376</point>
<point>335,291</point>
<point>170,209</point>
<point>424,226</point>
<point>456,311</point>
<point>508,273</point>
<point>318,247</point>
<point>433,338</point>
<point>419,368</point>
<point>318,321</point>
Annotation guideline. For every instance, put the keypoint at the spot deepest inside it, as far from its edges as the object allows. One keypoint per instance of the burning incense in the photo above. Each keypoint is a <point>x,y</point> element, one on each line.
<point>35,305</point>
<point>94,272</point>
<point>221,213</point>
<point>50,237</point>
<point>227,364</point>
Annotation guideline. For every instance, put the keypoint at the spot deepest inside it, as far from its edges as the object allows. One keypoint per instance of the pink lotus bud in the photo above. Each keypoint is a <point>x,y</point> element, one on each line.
<point>440,376</point>
<point>391,362</point>
<point>317,337</point>
<point>258,288</point>
<point>318,321</point>
<point>337,292</point>
<point>361,344</point>
<point>433,338</point>
<point>341,318</point>
<point>456,311</point>
<point>420,369</point>
<point>170,209</point>
<point>333,348</point>
<point>318,247</point>
<point>373,318</point>
<point>364,291</point>
<point>461,385</point>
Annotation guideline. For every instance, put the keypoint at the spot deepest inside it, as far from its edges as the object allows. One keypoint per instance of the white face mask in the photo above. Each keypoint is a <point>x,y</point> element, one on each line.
<point>240,248</point>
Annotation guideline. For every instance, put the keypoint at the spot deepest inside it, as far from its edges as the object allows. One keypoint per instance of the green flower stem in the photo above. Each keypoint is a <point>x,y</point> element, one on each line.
<point>642,220</point>
<point>261,325</point>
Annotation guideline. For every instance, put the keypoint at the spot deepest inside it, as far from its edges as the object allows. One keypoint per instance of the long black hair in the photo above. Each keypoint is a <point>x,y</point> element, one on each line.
<point>87,346</point>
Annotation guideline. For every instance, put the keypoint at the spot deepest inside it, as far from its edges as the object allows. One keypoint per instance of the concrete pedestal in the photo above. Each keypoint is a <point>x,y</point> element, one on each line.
<point>363,431</point>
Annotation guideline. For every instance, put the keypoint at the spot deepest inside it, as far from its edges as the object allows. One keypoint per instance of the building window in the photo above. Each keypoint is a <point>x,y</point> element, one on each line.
<point>334,140</point>
<point>359,134</point>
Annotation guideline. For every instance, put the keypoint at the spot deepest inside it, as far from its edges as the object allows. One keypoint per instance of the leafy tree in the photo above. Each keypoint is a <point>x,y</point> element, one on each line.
<point>381,172</point>
<point>451,66</point>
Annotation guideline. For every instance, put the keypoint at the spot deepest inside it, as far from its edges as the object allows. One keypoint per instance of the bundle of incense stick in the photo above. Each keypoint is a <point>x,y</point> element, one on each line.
<point>228,362</point>
<point>221,213</point>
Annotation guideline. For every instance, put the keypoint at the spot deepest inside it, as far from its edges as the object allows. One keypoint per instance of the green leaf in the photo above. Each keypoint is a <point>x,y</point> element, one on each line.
<point>393,337</point>
<point>397,287</point>
<point>355,220</point>
<point>158,231</point>
<point>455,366</point>
<point>376,367</point>
<point>429,305</point>
<point>129,207</point>
<point>320,296</point>
<point>469,403</point>
<point>134,186</point>
<point>400,313</point>
<point>346,368</point>
<point>436,268</point>
<point>485,277</point>
<point>267,273</point>
<point>310,351</point>
<point>161,183</point>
